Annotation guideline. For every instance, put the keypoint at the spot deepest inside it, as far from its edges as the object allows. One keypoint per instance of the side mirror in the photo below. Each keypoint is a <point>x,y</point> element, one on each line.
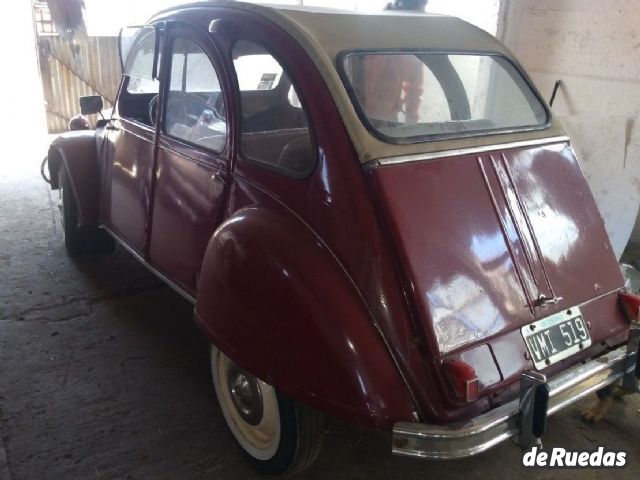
<point>91,104</point>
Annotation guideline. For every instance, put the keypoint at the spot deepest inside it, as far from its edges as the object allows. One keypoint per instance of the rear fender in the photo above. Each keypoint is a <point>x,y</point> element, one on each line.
<point>275,300</point>
<point>77,151</point>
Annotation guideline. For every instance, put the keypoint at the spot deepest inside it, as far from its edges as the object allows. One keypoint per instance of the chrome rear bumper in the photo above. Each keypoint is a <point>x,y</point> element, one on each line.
<point>495,426</point>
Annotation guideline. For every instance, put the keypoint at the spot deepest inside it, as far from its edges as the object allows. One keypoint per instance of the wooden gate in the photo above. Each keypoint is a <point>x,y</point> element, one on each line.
<point>72,68</point>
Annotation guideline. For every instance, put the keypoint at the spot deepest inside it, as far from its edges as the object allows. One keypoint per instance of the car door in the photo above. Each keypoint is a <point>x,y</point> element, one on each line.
<point>129,152</point>
<point>192,157</point>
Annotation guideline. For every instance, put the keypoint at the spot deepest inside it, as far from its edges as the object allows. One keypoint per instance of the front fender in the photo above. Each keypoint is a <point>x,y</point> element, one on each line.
<point>275,300</point>
<point>77,151</point>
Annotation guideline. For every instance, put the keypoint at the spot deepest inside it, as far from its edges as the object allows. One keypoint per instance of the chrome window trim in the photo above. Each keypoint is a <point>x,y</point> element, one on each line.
<point>421,157</point>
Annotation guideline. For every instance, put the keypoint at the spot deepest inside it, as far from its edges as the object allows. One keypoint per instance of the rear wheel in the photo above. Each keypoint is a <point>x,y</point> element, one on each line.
<point>278,435</point>
<point>78,238</point>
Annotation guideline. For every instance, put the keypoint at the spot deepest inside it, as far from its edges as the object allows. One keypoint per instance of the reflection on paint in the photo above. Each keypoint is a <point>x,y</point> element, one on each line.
<point>493,258</point>
<point>556,233</point>
<point>324,174</point>
<point>462,312</point>
<point>489,248</point>
<point>131,173</point>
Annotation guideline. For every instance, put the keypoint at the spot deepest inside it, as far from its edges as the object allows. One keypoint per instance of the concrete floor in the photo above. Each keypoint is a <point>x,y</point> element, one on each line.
<point>104,376</point>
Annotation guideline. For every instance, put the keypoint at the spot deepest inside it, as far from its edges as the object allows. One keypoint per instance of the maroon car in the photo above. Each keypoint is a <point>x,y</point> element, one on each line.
<point>375,216</point>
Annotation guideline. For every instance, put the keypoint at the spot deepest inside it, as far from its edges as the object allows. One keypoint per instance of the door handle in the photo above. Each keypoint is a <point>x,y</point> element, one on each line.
<point>218,177</point>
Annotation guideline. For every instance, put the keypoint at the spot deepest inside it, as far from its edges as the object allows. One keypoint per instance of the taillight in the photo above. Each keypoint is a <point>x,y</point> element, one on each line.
<point>464,380</point>
<point>631,305</point>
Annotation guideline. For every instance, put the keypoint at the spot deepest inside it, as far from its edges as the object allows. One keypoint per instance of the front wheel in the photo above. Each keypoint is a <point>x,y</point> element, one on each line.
<point>278,435</point>
<point>78,238</point>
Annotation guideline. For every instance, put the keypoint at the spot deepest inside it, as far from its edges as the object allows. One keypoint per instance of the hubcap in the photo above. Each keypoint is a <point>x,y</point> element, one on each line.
<point>249,405</point>
<point>246,394</point>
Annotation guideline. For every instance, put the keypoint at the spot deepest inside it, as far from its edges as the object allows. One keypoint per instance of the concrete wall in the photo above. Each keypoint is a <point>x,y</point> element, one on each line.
<point>593,47</point>
<point>481,13</point>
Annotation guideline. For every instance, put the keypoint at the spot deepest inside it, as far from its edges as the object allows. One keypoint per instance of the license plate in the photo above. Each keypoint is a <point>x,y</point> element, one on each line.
<point>556,337</point>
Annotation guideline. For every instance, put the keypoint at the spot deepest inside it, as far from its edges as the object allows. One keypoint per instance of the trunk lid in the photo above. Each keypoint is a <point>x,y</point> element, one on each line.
<point>489,241</point>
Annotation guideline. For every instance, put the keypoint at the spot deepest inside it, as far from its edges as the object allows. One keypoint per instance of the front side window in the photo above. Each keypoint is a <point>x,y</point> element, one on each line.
<point>195,109</point>
<point>408,97</point>
<point>139,66</point>
<point>138,97</point>
<point>274,128</point>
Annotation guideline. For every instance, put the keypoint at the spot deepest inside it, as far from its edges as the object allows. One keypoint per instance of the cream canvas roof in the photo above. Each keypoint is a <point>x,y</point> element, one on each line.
<point>325,33</point>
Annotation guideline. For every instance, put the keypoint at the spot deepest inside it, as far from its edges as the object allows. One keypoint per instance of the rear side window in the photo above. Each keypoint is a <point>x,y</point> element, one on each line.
<point>274,128</point>
<point>406,97</point>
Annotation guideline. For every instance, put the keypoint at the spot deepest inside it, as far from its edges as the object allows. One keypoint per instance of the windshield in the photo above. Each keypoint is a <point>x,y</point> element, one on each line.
<point>406,97</point>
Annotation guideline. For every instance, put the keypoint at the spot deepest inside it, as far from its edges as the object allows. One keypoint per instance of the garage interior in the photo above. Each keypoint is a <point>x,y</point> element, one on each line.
<point>103,373</point>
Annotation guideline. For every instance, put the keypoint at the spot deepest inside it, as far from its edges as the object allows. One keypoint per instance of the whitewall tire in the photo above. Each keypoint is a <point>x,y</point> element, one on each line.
<point>276,434</point>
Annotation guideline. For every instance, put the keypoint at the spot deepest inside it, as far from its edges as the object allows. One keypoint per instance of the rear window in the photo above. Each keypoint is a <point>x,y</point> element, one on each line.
<point>409,97</point>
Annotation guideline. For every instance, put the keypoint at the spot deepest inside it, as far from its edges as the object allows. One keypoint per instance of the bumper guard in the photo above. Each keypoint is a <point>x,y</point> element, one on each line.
<point>524,418</point>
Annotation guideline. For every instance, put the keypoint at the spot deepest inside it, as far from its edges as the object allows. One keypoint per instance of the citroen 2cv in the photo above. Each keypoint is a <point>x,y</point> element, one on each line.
<point>376,217</point>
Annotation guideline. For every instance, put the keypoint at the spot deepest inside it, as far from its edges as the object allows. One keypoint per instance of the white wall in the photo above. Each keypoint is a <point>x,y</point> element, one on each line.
<point>481,13</point>
<point>593,47</point>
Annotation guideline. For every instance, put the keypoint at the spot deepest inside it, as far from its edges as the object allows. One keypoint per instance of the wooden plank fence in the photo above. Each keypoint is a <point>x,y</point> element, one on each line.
<point>73,68</point>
